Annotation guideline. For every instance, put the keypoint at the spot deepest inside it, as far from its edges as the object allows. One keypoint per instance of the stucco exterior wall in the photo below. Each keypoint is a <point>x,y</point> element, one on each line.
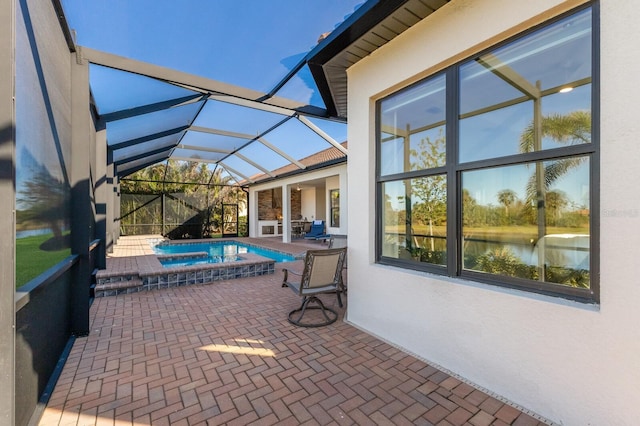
<point>312,200</point>
<point>576,364</point>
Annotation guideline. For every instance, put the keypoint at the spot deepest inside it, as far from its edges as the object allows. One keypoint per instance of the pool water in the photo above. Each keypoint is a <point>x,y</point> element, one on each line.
<point>189,261</point>
<point>218,252</point>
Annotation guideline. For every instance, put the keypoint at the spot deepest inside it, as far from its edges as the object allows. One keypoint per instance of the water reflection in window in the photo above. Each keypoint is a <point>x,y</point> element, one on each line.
<point>415,216</point>
<point>529,221</point>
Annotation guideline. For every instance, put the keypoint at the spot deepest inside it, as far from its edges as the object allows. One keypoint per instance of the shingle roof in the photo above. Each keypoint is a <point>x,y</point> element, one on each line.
<point>315,161</point>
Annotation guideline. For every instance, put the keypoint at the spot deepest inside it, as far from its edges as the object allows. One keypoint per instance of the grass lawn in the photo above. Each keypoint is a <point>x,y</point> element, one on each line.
<point>32,261</point>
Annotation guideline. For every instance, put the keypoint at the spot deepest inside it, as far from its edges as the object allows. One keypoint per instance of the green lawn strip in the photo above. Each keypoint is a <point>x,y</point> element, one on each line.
<point>32,261</point>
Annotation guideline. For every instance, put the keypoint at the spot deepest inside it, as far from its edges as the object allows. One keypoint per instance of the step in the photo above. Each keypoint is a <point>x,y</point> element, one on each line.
<point>114,288</point>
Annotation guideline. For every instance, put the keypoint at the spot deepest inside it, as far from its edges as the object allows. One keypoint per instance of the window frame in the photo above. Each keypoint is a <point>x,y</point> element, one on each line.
<point>453,169</point>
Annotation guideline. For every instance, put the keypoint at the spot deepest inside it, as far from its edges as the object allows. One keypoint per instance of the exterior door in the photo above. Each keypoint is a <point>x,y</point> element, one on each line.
<point>229,220</point>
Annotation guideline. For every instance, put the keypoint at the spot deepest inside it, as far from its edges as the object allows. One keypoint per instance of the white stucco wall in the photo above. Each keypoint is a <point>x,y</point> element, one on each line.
<point>573,363</point>
<point>314,203</point>
<point>308,203</point>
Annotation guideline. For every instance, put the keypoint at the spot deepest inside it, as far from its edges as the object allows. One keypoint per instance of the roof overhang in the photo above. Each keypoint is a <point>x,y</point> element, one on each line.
<point>372,25</point>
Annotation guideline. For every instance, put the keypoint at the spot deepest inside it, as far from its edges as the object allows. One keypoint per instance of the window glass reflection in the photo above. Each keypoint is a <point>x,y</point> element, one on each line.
<point>414,217</point>
<point>517,161</point>
<point>513,99</point>
<point>334,196</point>
<point>412,128</point>
<point>529,221</point>
<point>42,150</point>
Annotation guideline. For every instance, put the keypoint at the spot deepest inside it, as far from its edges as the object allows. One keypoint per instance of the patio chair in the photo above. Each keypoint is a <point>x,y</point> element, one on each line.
<point>316,231</point>
<point>306,227</point>
<point>322,274</point>
<point>339,241</point>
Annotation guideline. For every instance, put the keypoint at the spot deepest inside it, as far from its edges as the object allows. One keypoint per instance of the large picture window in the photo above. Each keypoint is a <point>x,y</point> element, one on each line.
<point>487,169</point>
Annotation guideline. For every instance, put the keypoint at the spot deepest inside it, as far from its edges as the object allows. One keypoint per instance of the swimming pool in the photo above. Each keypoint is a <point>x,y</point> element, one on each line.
<point>212,252</point>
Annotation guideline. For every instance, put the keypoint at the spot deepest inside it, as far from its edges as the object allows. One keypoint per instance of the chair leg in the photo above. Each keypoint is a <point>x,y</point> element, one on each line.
<point>303,308</point>
<point>329,319</point>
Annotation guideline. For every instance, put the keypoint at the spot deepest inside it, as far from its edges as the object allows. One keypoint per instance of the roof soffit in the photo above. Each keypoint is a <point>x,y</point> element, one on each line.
<point>378,23</point>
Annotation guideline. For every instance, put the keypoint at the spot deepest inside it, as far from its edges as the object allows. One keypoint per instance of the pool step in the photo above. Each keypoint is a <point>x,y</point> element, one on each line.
<point>115,285</point>
<point>131,274</point>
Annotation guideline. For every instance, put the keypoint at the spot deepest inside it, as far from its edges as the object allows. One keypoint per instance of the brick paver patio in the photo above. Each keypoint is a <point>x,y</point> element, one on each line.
<point>224,353</point>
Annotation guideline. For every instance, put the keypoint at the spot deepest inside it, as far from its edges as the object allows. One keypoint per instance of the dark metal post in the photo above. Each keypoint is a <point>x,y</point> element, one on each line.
<point>111,200</point>
<point>101,192</point>
<point>540,180</point>
<point>163,210</point>
<point>408,232</point>
<point>81,224</point>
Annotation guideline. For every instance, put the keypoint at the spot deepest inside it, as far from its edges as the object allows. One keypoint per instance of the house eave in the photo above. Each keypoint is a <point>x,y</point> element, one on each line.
<point>374,24</point>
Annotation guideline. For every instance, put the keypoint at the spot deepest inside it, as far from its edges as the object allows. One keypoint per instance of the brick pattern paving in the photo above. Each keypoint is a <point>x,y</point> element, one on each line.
<point>224,353</point>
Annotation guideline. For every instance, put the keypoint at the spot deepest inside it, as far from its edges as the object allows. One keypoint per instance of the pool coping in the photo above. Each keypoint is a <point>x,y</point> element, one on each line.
<point>150,274</point>
<point>296,256</point>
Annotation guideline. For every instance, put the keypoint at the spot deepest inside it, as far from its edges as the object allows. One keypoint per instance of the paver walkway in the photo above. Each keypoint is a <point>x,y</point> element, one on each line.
<point>224,353</point>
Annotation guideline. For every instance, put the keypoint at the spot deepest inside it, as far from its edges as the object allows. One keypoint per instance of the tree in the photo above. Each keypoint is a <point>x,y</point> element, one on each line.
<point>220,192</point>
<point>470,211</point>
<point>555,202</point>
<point>567,129</point>
<point>45,199</point>
<point>431,191</point>
<point>507,197</point>
<point>188,191</point>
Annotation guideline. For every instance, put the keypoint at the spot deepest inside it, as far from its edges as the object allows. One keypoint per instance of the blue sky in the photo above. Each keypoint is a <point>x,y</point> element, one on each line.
<point>249,43</point>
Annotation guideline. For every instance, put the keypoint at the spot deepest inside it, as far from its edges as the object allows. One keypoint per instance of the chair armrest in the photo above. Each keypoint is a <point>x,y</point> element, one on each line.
<point>286,276</point>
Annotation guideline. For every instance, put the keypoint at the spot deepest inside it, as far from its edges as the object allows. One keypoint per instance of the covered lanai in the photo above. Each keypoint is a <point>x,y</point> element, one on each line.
<point>96,92</point>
